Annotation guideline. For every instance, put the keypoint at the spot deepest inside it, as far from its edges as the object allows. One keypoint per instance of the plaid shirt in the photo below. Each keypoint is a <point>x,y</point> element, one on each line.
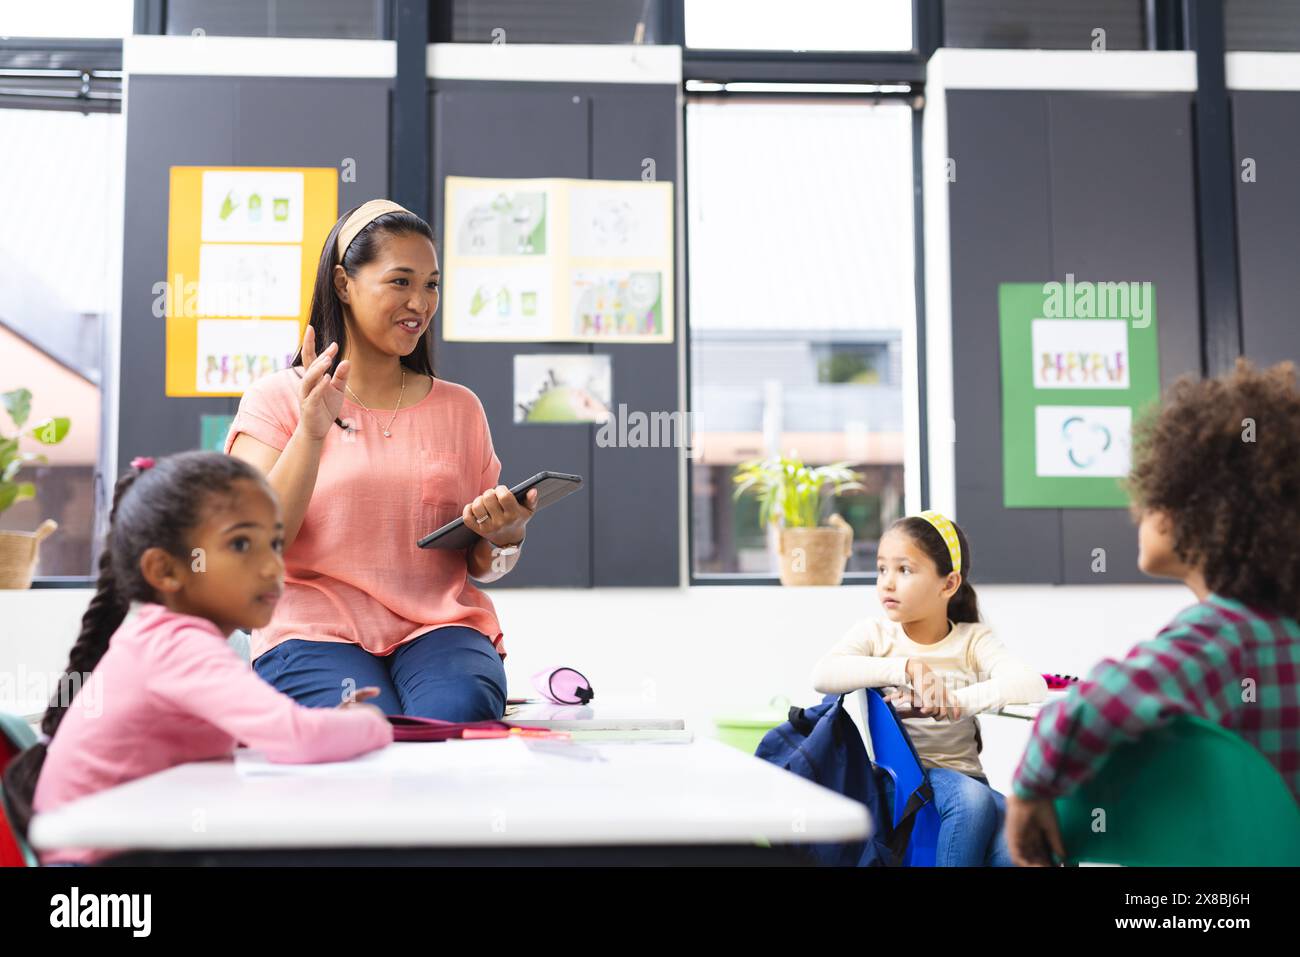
<point>1195,665</point>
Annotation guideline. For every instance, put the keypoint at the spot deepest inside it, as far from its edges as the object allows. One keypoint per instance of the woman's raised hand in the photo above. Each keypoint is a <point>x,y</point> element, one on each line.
<point>320,396</point>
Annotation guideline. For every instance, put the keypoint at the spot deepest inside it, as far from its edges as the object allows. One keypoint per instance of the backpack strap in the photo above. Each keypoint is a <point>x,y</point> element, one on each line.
<point>799,721</point>
<point>897,842</point>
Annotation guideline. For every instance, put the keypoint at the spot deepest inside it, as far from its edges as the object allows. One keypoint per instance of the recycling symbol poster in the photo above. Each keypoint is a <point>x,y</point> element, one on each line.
<point>1080,364</point>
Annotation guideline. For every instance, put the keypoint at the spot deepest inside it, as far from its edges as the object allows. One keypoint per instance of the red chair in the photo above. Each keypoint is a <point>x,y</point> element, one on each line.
<point>16,735</point>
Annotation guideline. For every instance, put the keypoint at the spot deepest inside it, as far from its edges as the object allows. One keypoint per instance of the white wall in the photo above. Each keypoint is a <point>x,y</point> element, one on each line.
<point>703,651</point>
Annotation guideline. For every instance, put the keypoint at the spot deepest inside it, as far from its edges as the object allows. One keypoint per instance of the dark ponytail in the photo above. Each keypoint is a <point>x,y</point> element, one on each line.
<point>326,307</point>
<point>165,506</point>
<point>963,605</point>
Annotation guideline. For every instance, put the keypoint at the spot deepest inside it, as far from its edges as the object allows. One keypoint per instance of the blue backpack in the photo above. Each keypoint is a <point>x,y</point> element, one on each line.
<point>823,744</point>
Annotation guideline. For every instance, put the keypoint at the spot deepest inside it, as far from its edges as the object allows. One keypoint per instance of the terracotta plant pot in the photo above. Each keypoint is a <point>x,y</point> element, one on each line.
<point>815,556</point>
<point>19,552</point>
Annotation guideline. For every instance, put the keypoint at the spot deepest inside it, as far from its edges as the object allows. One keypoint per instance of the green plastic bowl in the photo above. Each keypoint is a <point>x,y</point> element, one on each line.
<point>745,731</point>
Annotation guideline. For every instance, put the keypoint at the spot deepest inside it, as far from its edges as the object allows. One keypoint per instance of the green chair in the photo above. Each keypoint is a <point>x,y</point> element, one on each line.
<point>1190,794</point>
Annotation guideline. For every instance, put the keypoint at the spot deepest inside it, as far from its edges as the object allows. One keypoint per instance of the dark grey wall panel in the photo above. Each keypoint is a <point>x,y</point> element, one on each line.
<point>478,132</point>
<point>515,130</point>
<point>634,492</point>
<point>170,121</point>
<point>1044,189</point>
<point>219,121</point>
<point>1266,128</point>
<point>1000,231</point>
<point>299,121</point>
<point>1125,214</point>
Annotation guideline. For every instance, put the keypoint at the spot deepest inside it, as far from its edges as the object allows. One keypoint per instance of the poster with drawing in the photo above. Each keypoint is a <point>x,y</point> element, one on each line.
<point>492,222</point>
<point>255,280</point>
<point>1079,364</point>
<point>557,389</point>
<point>622,223</point>
<point>503,302</point>
<point>242,248</point>
<point>616,304</point>
<point>252,206</point>
<point>558,260</point>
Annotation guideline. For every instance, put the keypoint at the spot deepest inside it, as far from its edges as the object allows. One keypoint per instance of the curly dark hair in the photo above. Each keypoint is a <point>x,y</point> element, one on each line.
<point>1221,457</point>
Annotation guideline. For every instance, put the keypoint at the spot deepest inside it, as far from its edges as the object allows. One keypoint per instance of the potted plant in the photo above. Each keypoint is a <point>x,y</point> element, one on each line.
<point>19,551</point>
<point>790,497</point>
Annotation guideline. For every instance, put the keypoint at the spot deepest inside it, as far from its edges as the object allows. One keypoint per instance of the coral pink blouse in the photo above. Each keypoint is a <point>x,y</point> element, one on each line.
<point>354,573</point>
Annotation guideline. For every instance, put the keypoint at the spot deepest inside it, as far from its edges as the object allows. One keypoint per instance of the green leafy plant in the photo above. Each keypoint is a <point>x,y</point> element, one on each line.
<point>18,404</point>
<point>790,492</point>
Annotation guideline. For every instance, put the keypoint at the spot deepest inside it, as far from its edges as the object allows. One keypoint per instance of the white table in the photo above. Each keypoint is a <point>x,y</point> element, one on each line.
<point>524,795</point>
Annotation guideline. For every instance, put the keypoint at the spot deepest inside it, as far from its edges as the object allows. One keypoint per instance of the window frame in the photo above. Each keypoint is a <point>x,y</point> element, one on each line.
<point>914,99</point>
<point>57,54</point>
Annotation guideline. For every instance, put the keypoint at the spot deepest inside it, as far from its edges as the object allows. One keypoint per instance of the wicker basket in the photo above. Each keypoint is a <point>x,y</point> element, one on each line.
<point>815,556</point>
<point>19,552</point>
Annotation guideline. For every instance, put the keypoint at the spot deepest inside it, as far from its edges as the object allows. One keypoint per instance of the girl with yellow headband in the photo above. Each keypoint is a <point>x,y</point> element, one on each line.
<point>942,667</point>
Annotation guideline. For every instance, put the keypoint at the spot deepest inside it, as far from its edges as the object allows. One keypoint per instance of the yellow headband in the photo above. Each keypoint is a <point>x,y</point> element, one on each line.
<point>949,533</point>
<point>363,216</point>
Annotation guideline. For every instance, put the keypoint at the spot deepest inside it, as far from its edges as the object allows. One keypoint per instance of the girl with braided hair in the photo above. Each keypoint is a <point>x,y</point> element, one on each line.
<point>193,552</point>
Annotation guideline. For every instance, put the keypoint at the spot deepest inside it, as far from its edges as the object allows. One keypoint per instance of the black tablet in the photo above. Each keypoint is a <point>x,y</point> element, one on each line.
<point>551,487</point>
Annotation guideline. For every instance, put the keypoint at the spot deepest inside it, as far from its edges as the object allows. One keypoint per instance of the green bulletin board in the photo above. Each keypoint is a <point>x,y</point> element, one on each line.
<point>1079,364</point>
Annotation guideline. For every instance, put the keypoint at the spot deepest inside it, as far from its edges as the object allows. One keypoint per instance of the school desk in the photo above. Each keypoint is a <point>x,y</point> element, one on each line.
<point>503,801</point>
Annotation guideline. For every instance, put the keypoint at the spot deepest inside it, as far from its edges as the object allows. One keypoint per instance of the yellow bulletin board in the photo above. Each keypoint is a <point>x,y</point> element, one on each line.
<point>558,260</point>
<point>243,245</point>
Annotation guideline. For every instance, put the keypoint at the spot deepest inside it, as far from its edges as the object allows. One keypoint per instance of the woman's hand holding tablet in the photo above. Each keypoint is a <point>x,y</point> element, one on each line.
<point>514,508</point>
<point>500,517</point>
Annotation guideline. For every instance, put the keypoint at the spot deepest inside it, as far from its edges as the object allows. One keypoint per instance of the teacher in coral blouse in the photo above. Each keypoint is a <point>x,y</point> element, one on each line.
<point>368,452</point>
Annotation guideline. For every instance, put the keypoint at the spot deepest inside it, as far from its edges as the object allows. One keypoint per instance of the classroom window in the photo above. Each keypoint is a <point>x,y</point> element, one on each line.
<point>801,286</point>
<point>1045,24</point>
<point>811,25</point>
<point>556,21</point>
<point>347,19</point>
<point>67,19</point>
<point>1270,25</point>
<point>57,292</point>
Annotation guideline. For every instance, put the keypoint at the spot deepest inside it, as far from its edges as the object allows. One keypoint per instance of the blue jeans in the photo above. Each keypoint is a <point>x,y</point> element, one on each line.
<point>971,819</point>
<point>452,673</point>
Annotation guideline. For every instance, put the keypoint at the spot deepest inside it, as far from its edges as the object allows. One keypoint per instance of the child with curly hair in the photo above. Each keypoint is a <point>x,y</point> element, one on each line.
<point>1215,486</point>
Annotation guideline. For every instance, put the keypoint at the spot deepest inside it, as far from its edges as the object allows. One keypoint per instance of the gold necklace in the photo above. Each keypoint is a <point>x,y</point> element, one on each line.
<point>387,430</point>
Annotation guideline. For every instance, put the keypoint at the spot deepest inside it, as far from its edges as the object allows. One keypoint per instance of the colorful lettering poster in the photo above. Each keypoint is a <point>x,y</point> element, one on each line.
<point>558,260</point>
<point>1080,363</point>
<point>242,249</point>
<point>235,353</point>
<point>616,304</point>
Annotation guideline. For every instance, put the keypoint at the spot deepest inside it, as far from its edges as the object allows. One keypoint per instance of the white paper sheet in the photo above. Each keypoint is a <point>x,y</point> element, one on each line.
<point>405,758</point>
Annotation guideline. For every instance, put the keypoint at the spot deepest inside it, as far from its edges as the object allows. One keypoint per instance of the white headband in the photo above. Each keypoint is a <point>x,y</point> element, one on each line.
<point>363,216</point>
